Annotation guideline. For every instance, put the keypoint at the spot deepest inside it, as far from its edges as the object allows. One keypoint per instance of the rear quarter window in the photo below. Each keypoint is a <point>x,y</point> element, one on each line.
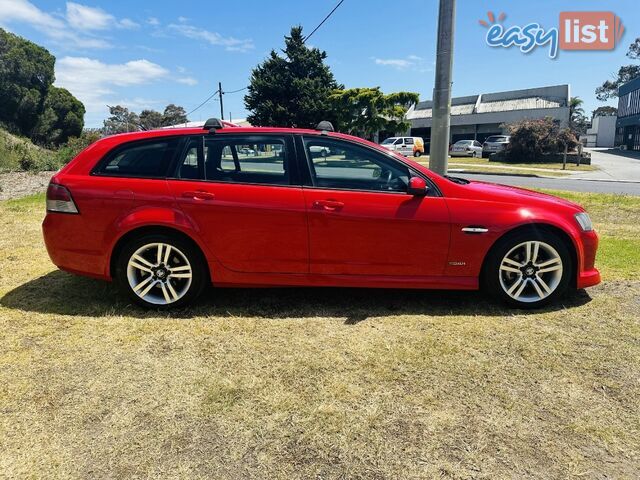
<point>147,158</point>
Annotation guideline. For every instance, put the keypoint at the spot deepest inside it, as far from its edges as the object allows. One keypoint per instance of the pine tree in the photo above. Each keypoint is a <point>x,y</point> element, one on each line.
<point>292,90</point>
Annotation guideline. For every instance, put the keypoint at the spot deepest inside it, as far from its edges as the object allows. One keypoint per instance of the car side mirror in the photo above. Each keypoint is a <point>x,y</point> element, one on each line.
<point>417,187</point>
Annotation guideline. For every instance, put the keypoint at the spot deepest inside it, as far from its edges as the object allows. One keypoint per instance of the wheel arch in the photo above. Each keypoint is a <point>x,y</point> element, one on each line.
<point>538,227</point>
<point>154,229</point>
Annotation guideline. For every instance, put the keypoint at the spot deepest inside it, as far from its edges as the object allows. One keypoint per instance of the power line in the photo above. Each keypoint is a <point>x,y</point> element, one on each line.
<point>212,95</point>
<point>322,22</point>
<point>236,91</point>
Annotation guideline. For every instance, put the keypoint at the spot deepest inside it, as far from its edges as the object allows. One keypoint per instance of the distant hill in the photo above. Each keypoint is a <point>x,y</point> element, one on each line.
<point>17,153</point>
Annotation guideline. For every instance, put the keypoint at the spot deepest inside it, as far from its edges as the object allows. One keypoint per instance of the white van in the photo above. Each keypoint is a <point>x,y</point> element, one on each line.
<point>405,145</point>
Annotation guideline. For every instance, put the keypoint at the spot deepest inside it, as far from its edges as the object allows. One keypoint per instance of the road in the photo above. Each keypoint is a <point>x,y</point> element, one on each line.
<point>613,164</point>
<point>595,186</point>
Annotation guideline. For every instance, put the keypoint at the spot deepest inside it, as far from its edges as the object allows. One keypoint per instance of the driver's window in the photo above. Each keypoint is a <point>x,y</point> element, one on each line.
<point>339,164</point>
<point>398,142</point>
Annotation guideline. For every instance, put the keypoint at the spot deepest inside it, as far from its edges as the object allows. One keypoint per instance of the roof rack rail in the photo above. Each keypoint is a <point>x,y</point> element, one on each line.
<point>325,126</point>
<point>213,124</point>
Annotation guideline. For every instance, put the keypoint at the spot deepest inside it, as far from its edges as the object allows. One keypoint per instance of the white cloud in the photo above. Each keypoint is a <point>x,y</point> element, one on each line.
<point>412,62</point>
<point>128,23</point>
<point>393,62</point>
<point>214,38</point>
<point>72,31</point>
<point>82,17</point>
<point>95,83</point>
<point>23,11</point>
<point>153,21</point>
<point>187,81</point>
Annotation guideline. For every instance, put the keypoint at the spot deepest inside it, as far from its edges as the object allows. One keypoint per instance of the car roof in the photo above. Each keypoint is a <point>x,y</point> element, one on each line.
<point>120,138</point>
<point>97,149</point>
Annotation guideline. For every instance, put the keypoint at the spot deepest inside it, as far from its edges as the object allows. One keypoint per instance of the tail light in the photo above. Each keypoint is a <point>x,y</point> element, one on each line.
<point>59,199</point>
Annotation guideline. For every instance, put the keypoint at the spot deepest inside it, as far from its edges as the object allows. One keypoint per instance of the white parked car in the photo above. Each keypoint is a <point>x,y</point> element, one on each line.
<point>406,146</point>
<point>466,148</point>
<point>494,144</point>
<point>319,151</point>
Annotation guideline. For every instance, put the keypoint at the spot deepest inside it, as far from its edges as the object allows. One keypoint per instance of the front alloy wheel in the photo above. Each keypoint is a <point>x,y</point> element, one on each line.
<point>159,271</point>
<point>529,270</point>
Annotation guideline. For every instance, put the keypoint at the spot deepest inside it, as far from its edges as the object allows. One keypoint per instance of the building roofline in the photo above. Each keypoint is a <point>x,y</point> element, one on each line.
<point>631,85</point>
<point>503,95</point>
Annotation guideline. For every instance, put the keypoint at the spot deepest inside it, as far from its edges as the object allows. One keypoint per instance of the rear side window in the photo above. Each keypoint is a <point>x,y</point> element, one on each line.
<point>148,159</point>
<point>251,159</point>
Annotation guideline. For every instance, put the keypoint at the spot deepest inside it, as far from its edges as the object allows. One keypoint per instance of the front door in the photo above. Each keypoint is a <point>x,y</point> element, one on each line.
<point>240,192</point>
<point>361,219</point>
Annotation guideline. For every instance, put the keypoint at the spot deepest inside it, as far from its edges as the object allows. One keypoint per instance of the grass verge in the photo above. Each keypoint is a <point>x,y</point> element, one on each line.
<point>483,165</point>
<point>317,383</point>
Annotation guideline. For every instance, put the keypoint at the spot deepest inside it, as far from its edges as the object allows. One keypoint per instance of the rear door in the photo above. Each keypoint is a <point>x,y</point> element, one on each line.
<point>361,219</point>
<point>243,194</point>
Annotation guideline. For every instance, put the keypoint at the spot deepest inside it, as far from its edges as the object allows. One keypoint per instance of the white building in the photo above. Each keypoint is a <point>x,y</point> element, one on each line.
<point>477,117</point>
<point>602,132</point>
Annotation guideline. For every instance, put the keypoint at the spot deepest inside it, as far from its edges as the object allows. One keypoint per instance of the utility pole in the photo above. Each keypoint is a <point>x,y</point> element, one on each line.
<point>220,93</point>
<point>441,111</point>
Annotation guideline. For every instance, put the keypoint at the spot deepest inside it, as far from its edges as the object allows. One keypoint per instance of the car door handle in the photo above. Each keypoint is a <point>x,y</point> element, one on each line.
<point>199,195</point>
<point>330,205</point>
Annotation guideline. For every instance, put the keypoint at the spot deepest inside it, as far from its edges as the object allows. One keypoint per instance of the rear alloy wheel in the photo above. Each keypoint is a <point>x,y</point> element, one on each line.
<point>160,271</point>
<point>417,153</point>
<point>528,270</point>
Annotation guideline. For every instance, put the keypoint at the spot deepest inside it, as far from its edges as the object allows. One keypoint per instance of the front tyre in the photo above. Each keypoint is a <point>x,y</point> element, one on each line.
<point>529,269</point>
<point>161,271</point>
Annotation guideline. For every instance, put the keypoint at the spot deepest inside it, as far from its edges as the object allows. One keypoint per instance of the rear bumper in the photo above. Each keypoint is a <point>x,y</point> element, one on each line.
<point>72,248</point>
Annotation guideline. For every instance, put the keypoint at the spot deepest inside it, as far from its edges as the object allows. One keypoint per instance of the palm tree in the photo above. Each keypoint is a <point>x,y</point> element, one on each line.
<point>575,111</point>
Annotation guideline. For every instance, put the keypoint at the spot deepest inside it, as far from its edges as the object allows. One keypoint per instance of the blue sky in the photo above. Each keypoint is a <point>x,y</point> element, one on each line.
<point>146,54</point>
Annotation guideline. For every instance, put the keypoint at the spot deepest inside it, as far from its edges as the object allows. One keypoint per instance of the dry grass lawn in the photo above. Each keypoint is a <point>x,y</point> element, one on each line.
<point>302,383</point>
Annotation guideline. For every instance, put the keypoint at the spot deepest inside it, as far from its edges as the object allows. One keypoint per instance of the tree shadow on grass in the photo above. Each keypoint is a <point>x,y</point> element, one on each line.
<point>61,293</point>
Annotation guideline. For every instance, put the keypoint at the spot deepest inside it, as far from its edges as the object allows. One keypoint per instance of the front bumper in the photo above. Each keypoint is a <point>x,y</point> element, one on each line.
<point>588,278</point>
<point>588,274</point>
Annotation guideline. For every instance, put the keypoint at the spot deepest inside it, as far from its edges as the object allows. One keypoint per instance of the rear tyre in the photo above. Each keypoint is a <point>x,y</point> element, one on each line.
<point>528,269</point>
<point>417,153</point>
<point>161,271</point>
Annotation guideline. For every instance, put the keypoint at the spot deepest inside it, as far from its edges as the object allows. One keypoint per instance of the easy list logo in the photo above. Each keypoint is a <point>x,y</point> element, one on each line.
<point>578,31</point>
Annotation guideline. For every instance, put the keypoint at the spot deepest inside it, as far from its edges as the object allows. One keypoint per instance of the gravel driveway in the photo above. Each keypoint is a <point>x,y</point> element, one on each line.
<point>21,184</point>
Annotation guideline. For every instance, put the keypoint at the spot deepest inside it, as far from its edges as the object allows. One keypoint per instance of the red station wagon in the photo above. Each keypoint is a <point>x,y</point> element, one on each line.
<point>168,212</point>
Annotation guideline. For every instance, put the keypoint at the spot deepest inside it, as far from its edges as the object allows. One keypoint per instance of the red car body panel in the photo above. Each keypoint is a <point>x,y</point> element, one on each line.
<point>257,235</point>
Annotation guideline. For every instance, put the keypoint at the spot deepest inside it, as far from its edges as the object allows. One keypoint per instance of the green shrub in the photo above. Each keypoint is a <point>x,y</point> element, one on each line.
<point>18,154</point>
<point>533,139</point>
<point>74,146</point>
